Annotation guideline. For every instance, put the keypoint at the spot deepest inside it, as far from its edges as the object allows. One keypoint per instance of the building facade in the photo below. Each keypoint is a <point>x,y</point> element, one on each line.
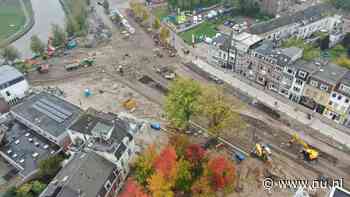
<point>13,85</point>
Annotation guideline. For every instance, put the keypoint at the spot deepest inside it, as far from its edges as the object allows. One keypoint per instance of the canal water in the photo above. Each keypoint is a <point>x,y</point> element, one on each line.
<point>46,13</point>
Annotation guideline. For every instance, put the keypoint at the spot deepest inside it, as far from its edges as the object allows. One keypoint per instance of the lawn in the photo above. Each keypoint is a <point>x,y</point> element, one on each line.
<point>207,28</point>
<point>12,18</point>
<point>161,12</point>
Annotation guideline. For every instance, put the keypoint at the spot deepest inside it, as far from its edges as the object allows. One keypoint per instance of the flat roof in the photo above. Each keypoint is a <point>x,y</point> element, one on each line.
<point>330,73</point>
<point>48,112</point>
<point>247,38</point>
<point>8,73</point>
<point>21,143</point>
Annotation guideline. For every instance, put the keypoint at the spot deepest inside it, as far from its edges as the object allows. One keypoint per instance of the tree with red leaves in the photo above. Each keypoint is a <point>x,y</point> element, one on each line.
<point>221,172</point>
<point>132,189</point>
<point>195,153</point>
<point>166,163</point>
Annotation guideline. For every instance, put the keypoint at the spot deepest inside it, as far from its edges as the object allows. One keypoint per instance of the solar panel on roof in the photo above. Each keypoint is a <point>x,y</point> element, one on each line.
<point>50,115</point>
<point>52,110</point>
<point>58,108</point>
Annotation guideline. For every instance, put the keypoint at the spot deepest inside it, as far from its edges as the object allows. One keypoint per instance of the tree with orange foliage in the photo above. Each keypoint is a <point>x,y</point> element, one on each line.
<point>166,163</point>
<point>132,189</point>
<point>221,172</point>
<point>159,186</point>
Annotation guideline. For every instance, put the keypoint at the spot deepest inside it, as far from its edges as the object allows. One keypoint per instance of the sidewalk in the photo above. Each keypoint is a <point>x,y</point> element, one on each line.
<point>269,100</point>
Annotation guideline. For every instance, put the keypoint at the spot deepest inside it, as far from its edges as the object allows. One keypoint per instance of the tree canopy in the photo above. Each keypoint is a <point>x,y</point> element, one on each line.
<point>182,101</point>
<point>9,53</point>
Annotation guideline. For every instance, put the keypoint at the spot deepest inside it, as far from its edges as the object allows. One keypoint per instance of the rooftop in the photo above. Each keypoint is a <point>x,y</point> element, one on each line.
<point>281,56</point>
<point>50,113</point>
<point>85,175</point>
<point>25,147</point>
<point>306,16</point>
<point>247,38</point>
<point>92,122</point>
<point>346,79</point>
<point>8,73</point>
<point>330,73</point>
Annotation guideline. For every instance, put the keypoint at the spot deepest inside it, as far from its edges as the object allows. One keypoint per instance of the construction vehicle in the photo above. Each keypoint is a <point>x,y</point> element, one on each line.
<point>262,151</point>
<point>129,104</point>
<point>309,154</point>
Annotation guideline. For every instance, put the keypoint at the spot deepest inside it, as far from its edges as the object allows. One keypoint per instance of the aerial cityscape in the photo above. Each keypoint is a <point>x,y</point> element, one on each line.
<point>175,98</point>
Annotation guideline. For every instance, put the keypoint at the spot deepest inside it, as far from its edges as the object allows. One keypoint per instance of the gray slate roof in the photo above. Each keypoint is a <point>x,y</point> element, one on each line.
<point>346,79</point>
<point>86,172</point>
<point>308,15</point>
<point>267,50</point>
<point>28,111</point>
<point>8,73</point>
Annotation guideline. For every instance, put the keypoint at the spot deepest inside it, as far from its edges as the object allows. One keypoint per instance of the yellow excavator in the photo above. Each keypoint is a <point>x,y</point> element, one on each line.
<point>310,154</point>
<point>262,151</point>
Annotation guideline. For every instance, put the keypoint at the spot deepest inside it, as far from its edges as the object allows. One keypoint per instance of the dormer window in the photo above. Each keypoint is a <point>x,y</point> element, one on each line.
<point>108,185</point>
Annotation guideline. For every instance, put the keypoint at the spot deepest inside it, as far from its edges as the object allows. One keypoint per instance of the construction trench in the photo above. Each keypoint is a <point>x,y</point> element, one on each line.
<point>148,88</point>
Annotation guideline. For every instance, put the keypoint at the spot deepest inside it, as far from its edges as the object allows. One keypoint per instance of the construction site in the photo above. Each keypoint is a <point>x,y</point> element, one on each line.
<point>132,73</point>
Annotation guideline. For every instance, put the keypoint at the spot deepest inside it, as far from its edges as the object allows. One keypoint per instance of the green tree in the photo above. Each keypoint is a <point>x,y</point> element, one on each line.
<point>183,179</point>
<point>249,7</point>
<point>220,112</point>
<point>156,24</point>
<point>25,191</point>
<point>11,192</point>
<point>342,4</point>
<point>182,102</point>
<point>9,53</point>
<point>71,27</point>
<point>58,36</point>
<point>80,15</point>
<point>38,187</point>
<point>50,166</point>
<point>36,45</point>
<point>144,165</point>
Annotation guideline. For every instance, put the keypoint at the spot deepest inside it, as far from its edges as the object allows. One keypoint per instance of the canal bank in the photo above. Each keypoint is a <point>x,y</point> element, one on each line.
<point>26,6</point>
<point>45,13</point>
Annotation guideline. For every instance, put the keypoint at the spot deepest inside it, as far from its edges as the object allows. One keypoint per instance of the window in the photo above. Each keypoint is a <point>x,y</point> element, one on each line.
<point>345,88</point>
<point>314,83</point>
<point>339,97</point>
<point>296,89</point>
<point>324,87</point>
<point>330,103</point>
<point>108,185</point>
<point>346,100</point>
<point>299,82</point>
<point>334,95</point>
<point>8,93</point>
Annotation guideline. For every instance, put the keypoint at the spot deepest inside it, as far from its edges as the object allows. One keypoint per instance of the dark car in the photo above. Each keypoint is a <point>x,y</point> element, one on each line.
<point>210,143</point>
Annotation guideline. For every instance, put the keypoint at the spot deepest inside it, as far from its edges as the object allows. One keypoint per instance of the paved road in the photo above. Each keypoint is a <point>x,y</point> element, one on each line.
<point>269,100</point>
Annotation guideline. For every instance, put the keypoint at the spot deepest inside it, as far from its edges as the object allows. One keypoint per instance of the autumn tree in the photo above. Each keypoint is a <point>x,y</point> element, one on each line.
<point>159,186</point>
<point>9,53</point>
<point>180,143</point>
<point>166,163</point>
<point>25,191</point>
<point>156,24</point>
<point>132,189</point>
<point>221,172</point>
<point>182,102</point>
<point>195,154</point>
<point>164,34</point>
<point>184,178</point>
<point>36,45</point>
<point>144,165</point>
<point>219,111</point>
<point>202,188</point>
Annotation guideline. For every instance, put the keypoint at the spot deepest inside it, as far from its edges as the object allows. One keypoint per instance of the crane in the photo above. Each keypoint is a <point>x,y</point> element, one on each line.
<point>310,154</point>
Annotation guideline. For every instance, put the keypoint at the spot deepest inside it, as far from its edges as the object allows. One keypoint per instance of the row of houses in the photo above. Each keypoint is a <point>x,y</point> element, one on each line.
<point>318,85</point>
<point>101,144</point>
